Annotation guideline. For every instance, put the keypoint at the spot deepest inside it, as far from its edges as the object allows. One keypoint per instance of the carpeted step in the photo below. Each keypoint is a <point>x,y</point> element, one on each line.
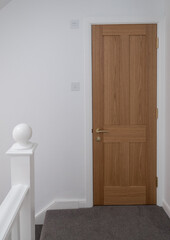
<point>38,229</point>
<point>107,223</point>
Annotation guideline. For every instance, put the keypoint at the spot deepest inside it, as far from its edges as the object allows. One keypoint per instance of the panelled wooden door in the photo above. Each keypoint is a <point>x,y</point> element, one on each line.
<point>124,69</point>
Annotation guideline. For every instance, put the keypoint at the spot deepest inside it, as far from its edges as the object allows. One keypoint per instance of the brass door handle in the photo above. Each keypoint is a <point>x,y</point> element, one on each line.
<point>98,130</point>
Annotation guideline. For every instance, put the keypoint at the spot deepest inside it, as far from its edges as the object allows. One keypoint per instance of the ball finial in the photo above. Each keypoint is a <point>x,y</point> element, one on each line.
<point>21,134</point>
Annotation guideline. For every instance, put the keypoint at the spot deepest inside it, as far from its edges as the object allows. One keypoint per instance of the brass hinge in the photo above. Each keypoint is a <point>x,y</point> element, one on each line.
<point>157,43</point>
<point>157,113</point>
<point>156,181</point>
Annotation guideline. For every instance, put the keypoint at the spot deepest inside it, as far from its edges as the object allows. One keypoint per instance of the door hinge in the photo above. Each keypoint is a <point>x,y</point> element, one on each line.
<point>157,113</point>
<point>92,130</point>
<point>156,181</point>
<point>157,43</point>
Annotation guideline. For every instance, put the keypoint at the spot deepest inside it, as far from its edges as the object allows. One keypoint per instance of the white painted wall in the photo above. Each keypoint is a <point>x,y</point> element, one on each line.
<point>3,3</point>
<point>166,203</point>
<point>39,58</point>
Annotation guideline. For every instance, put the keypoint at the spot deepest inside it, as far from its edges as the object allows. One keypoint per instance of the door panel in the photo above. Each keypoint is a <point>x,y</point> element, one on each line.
<point>111,83</point>
<point>138,88</point>
<point>137,164</point>
<point>124,63</point>
<point>111,164</point>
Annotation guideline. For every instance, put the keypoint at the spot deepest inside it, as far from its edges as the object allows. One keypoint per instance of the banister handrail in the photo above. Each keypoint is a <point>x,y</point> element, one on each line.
<point>17,214</point>
<point>10,208</point>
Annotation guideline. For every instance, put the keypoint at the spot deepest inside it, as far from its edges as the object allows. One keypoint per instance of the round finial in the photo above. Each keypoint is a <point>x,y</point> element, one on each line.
<point>21,134</point>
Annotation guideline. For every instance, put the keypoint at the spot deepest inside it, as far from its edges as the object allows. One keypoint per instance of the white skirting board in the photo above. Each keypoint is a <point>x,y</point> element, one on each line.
<point>166,208</point>
<point>59,204</point>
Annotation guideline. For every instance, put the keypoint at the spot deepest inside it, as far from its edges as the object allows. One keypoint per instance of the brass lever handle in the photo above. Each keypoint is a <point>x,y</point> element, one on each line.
<point>101,131</point>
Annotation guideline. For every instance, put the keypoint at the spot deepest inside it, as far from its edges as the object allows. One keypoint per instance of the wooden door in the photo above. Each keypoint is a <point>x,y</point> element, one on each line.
<point>124,69</point>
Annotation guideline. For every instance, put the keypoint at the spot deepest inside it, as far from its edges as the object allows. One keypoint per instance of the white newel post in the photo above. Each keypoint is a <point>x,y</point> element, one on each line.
<point>22,172</point>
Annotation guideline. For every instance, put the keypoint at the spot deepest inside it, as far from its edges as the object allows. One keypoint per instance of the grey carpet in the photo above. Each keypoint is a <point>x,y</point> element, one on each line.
<point>107,223</point>
<point>38,229</point>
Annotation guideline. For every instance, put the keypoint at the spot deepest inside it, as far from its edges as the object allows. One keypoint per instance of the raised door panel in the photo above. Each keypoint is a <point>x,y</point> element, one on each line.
<point>111,80</point>
<point>138,86</point>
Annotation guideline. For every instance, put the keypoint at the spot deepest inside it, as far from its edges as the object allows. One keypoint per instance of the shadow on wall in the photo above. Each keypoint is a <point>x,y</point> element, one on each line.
<point>3,3</point>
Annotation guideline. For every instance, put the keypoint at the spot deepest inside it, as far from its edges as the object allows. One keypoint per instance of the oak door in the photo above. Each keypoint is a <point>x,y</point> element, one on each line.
<point>124,72</point>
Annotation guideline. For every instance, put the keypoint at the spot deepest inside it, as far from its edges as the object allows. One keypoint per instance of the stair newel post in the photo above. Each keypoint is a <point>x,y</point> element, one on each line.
<point>22,172</point>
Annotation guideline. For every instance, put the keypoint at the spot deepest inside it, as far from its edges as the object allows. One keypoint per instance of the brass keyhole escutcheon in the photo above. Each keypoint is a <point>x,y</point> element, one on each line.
<point>98,139</point>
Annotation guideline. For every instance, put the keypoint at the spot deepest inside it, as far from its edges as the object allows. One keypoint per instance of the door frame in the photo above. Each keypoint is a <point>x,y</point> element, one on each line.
<point>88,145</point>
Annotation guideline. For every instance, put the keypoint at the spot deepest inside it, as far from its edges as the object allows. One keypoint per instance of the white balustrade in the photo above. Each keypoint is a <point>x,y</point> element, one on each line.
<point>17,214</point>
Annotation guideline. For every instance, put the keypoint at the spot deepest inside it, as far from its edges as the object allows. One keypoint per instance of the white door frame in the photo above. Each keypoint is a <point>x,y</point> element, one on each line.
<point>88,99</point>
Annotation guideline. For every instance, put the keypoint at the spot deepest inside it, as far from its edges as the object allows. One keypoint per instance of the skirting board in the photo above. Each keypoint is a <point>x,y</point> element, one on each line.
<point>59,204</point>
<point>166,208</point>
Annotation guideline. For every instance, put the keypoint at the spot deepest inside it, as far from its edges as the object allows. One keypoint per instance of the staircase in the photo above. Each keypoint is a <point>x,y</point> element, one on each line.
<point>17,215</point>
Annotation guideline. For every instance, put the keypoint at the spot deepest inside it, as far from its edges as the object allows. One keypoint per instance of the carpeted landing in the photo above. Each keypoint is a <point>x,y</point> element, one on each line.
<point>107,223</point>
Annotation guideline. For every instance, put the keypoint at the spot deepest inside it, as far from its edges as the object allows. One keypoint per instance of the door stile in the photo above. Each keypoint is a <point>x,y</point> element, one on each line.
<point>98,101</point>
